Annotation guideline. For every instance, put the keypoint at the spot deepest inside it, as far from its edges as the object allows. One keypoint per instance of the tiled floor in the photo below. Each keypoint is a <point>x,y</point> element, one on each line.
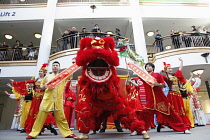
<point>198,133</point>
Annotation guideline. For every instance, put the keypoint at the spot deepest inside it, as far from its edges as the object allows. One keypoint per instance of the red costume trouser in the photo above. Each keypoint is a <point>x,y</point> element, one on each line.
<point>68,113</point>
<point>90,117</point>
<point>173,120</point>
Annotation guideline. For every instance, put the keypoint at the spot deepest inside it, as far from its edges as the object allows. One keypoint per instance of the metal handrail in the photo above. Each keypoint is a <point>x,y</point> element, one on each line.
<point>73,41</point>
<point>181,40</point>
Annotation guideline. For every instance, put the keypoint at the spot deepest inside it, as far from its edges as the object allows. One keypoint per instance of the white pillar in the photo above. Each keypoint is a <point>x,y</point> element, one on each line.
<point>47,33</point>
<point>138,30</point>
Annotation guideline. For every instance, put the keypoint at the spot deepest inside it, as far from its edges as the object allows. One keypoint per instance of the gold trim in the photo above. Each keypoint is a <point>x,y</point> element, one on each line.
<point>66,4</point>
<point>173,4</point>
<point>152,60</point>
<point>7,6</point>
<point>63,53</point>
<point>182,51</point>
<point>154,98</point>
<point>123,76</point>
<point>18,63</point>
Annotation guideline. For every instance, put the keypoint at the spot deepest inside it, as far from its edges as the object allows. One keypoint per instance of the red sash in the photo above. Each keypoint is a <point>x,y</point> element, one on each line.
<point>63,75</point>
<point>142,74</point>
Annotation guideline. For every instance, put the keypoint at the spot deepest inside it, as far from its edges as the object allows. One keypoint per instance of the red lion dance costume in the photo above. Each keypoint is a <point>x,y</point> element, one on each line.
<point>99,94</point>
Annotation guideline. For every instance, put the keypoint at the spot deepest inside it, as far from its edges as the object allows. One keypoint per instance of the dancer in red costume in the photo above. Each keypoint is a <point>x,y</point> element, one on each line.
<point>132,89</point>
<point>133,98</point>
<point>25,90</point>
<point>36,101</point>
<point>99,88</point>
<point>157,103</point>
<point>174,96</point>
<point>70,98</point>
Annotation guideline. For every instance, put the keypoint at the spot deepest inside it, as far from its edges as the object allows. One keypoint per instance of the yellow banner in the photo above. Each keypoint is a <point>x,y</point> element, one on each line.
<point>63,75</point>
<point>142,74</point>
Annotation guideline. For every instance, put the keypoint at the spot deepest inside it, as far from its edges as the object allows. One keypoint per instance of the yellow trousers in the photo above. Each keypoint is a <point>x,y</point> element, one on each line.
<point>60,121</point>
<point>25,109</point>
<point>188,110</point>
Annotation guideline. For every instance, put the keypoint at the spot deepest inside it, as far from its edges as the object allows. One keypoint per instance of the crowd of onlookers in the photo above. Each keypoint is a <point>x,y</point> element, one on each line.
<point>20,52</point>
<point>194,38</point>
<point>72,40</point>
<point>16,51</point>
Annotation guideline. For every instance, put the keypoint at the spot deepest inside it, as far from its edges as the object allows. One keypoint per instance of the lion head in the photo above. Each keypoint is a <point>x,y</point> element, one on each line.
<point>97,58</point>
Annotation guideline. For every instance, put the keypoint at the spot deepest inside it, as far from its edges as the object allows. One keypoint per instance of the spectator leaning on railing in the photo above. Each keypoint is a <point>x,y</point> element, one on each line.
<point>175,37</point>
<point>96,29</point>
<point>159,40</point>
<point>204,36</point>
<point>31,51</point>
<point>17,52</point>
<point>3,51</point>
<point>65,40</point>
<point>73,39</point>
<point>195,36</point>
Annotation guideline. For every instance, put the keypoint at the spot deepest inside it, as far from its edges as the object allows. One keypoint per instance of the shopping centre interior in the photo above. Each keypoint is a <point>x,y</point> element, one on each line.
<point>22,19</point>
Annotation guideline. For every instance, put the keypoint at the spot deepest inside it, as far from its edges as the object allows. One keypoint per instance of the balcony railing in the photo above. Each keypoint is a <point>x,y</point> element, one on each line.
<point>20,53</point>
<point>22,2</point>
<point>72,41</point>
<point>60,1</point>
<point>182,40</point>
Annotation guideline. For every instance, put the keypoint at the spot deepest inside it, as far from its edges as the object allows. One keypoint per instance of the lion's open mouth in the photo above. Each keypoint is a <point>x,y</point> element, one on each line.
<point>98,71</point>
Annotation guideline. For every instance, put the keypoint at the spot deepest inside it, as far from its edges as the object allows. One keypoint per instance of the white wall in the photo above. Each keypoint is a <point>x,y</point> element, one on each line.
<point>18,71</point>
<point>188,59</point>
<point>175,11</point>
<point>22,14</point>
<point>86,12</point>
<point>106,12</point>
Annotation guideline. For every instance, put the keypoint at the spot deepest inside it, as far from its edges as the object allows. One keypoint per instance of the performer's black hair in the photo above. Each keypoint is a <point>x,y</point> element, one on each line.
<point>150,64</point>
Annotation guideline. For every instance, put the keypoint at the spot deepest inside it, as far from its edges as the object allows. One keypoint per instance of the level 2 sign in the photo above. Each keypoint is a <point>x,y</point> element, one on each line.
<point>7,14</point>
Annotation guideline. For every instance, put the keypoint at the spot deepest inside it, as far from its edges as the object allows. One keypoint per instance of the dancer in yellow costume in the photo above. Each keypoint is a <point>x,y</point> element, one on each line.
<point>52,101</point>
<point>186,100</point>
<point>24,89</point>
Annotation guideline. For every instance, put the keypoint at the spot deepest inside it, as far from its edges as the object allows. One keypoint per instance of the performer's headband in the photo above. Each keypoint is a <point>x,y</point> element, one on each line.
<point>166,65</point>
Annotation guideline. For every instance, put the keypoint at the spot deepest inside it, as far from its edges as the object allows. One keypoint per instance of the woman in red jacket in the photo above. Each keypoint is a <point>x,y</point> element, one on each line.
<point>70,98</point>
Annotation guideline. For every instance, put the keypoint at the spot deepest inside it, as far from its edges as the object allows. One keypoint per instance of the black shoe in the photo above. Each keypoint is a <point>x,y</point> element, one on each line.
<point>23,131</point>
<point>159,127</point>
<point>152,127</point>
<point>119,130</point>
<point>102,131</point>
<point>52,130</point>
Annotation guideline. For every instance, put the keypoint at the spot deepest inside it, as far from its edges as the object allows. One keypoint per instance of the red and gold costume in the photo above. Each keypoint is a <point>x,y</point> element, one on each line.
<point>157,103</point>
<point>174,95</point>
<point>69,104</point>
<point>34,109</point>
<point>133,97</point>
<point>99,87</point>
<point>20,87</point>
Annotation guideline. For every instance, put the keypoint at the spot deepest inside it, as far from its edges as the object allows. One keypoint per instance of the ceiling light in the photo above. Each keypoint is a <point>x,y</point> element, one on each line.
<point>22,0</point>
<point>150,33</point>
<point>198,71</point>
<point>8,36</point>
<point>37,35</point>
<point>168,47</point>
